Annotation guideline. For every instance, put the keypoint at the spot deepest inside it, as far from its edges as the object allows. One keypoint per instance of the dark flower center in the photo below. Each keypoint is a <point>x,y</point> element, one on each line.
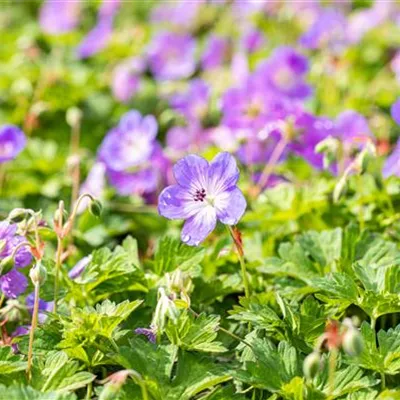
<point>200,195</point>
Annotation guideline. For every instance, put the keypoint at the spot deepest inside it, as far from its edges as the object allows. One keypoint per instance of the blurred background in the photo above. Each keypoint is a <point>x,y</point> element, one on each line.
<point>69,70</point>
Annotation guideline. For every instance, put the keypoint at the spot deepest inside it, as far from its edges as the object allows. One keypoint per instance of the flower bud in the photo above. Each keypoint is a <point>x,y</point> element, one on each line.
<point>38,274</point>
<point>6,265</point>
<point>311,365</point>
<point>17,214</point>
<point>109,391</point>
<point>74,116</point>
<point>352,342</point>
<point>95,208</point>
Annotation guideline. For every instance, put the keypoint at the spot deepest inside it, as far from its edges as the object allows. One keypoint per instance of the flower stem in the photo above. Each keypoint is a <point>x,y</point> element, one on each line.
<point>269,167</point>
<point>32,331</point>
<point>383,381</point>
<point>331,373</point>
<point>57,271</point>
<point>240,254</point>
<point>74,152</point>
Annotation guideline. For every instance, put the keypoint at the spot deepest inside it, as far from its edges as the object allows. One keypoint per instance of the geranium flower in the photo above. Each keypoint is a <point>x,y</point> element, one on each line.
<point>205,193</point>
<point>284,73</point>
<point>12,142</point>
<point>59,16</point>
<point>13,283</point>
<point>172,56</point>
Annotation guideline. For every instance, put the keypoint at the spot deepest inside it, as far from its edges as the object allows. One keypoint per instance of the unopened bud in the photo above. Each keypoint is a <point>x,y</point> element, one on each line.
<point>74,116</point>
<point>6,265</point>
<point>95,208</point>
<point>312,364</point>
<point>17,214</point>
<point>38,274</point>
<point>352,342</point>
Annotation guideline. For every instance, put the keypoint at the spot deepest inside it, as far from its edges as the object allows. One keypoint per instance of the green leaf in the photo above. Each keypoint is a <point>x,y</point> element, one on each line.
<point>19,392</point>
<point>10,363</point>
<point>171,254</point>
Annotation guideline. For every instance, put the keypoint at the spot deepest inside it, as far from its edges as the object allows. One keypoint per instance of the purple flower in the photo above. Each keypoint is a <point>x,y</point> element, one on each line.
<point>193,103</point>
<point>59,16</point>
<point>328,31</point>
<point>204,193</point>
<point>353,129</point>
<point>252,40</point>
<point>131,143</point>
<point>79,267</point>
<point>109,8</point>
<point>12,142</point>
<point>284,72</point>
<point>13,283</point>
<point>146,179</point>
<point>44,306</point>
<point>97,39</point>
<point>251,106</point>
<point>134,160</point>
<point>148,332</point>
<point>395,111</point>
<point>215,53</point>
<point>181,139</point>
<point>8,242</point>
<point>126,79</point>
<point>308,131</point>
<point>180,13</point>
<point>392,163</point>
<point>172,56</point>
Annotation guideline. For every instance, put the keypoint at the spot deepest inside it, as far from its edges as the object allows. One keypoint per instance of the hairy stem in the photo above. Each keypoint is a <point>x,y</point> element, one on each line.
<point>240,254</point>
<point>57,271</point>
<point>331,373</point>
<point>32,331</point>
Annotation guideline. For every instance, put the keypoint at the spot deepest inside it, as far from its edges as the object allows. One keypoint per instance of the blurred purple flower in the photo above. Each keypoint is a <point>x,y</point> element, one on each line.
<point>252,40</point>
<point>308,131</point>
<point>131,143</point>
<point>181,13</point>
<point>215,53</point>
<point>395,111</point>
<point>126,79</point>
<point>251,106</point>
<point>109,8</point>
<point>353,129</point>
<point>284,72</point>
<point>172,56</point>
<point>240,68</point>
<point>59,16</point>
<point>12,142</point>
<point>327,31</point>
<point>392,163</point>
<point>193,103</point>
<point>97,39</point>
<point>146,179</point>
<point>395,65</point>
<point>79,267</point>
<point>183,139</point>
<point>204,193</point>
<point>44,306</point>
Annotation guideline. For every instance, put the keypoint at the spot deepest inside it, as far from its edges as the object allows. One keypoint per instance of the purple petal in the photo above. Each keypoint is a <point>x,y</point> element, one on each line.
<point>12,142</point>
<point>79,267</point>
<point>13,284</point>
<point>392,163</point>
<point>149,333</point>
<point>230,206</point>
<point>191,171</point>
<point>223,173</point>
<point>395,111</point>
<point>198,227</point>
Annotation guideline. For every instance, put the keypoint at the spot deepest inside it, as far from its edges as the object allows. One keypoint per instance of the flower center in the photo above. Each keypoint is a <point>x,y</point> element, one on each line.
<point>199,195</point>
